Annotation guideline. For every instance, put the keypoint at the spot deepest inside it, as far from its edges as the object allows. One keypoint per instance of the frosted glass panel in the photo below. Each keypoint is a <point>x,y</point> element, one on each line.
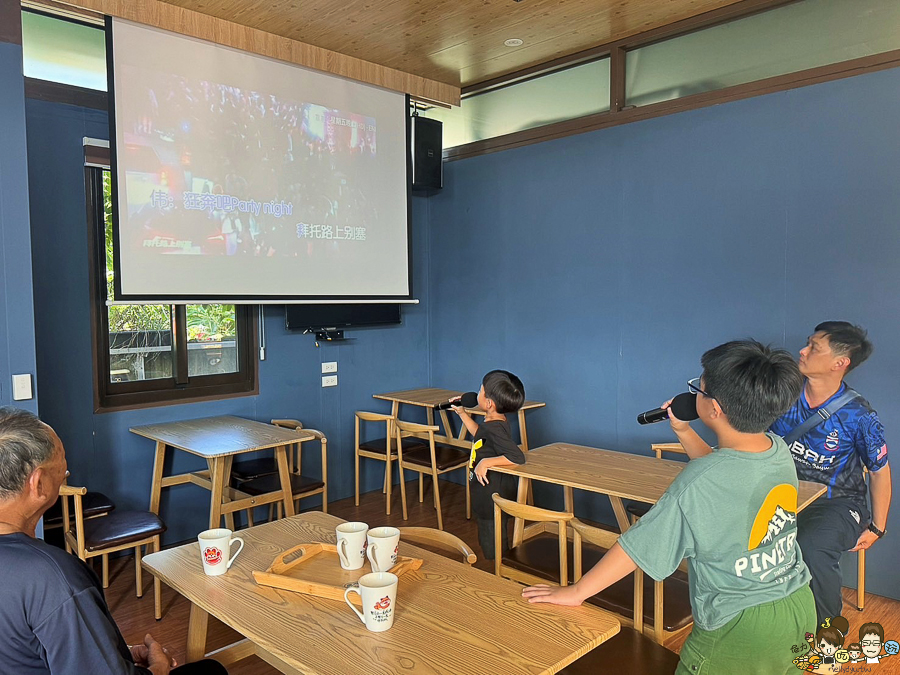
<point>560,96</point>
<point>784,40</point>
<point>63,51</point>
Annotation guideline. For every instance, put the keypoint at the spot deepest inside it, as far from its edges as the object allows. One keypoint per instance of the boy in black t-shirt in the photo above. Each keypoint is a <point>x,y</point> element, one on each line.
<point>492,445</point>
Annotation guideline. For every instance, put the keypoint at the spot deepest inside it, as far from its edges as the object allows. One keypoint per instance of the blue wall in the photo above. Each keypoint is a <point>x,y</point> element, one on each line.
<point>102,453</point>
<point>17,348</point>
<point>599,267</point>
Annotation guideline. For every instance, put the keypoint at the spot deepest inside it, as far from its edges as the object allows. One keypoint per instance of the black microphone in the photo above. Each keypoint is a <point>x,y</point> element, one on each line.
<point>684,407</point>
<point>467,400</point>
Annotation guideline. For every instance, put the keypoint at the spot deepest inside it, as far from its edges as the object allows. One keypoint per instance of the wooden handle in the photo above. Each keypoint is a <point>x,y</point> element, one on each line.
<point>405,565</point>
<point>307,551</point>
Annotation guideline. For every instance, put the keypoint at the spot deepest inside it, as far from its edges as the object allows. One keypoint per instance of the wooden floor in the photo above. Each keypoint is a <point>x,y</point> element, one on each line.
<point>135,615</point>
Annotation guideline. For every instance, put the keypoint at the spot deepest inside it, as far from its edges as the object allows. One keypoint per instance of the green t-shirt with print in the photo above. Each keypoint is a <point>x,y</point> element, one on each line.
<point>733,516</point>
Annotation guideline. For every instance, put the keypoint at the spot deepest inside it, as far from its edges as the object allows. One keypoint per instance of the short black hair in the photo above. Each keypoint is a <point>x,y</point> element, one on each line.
<point>505,390</point>
<point>754,384</point>
<point>846,339</point>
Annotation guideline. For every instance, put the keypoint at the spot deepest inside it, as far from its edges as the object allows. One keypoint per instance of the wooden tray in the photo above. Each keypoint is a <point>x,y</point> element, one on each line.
<point>317,571</point>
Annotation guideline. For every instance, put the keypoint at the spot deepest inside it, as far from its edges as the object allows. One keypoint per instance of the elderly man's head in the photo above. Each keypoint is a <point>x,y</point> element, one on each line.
<point>32,461</point>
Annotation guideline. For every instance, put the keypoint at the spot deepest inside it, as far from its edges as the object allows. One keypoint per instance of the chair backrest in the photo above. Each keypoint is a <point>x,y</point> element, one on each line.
<point>66,491</point>
<point>412,429</point>
<point>606,539</point>
<point>439,539</point>
<point>297,424</point>
<point>362,416</point>
<point>660,448</point>
<point>533,514</point>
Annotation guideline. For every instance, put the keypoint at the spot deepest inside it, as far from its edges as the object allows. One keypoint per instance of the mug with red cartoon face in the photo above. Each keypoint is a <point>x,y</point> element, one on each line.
<point>378,592</point>
<point>215,548</point>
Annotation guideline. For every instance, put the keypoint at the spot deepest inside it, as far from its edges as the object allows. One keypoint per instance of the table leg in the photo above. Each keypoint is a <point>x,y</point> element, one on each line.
<point>156,482</point>
<point>519,523</point>
<point>523,433</point>
<point>217,490</point>
<point>621,515</point>
<point>285,476</point>
<point>229,516</point>
<point>196,638</point>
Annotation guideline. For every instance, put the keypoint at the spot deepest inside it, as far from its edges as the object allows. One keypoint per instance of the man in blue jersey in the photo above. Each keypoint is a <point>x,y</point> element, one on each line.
<point>834,452</point>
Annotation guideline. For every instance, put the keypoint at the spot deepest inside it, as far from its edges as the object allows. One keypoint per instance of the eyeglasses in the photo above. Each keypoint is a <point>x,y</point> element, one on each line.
<point>694,388</point>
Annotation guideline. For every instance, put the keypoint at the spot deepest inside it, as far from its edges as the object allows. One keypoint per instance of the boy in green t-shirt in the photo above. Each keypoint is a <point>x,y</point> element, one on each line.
<point>733,515</point>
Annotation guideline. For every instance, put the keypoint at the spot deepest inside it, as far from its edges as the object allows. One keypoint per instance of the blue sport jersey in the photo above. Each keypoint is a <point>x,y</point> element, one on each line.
<point>834,452</point>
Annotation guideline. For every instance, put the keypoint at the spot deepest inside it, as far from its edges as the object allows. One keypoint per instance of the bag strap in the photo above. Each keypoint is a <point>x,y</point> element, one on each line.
<point>820,415</point>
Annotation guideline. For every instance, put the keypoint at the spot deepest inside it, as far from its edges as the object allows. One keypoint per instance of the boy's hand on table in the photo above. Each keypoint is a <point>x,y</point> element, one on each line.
<point>481,473</point>
<point>554,595</point>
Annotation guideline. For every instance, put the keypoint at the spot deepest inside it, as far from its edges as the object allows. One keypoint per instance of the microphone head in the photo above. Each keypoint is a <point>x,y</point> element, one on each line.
<point>469,400</point>
<point>684,407</point>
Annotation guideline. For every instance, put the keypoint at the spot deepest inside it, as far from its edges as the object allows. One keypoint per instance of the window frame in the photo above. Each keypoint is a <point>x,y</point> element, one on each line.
<point>180,388</point>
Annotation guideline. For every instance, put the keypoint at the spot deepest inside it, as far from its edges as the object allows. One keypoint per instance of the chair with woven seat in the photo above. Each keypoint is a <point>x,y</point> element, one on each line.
<point>440,539</point>
<point>377,449</point>
<point>94,504</point>
<point>117,531</point>
<point>301,486</point>
<point>546,554</point>
<point>433,459</point>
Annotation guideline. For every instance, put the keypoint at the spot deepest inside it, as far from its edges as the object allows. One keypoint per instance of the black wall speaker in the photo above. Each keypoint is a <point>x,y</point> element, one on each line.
<point>427,165</point>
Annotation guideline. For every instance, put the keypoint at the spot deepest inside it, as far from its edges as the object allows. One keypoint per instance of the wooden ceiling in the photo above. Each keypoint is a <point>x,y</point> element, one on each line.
<point>458,42</point>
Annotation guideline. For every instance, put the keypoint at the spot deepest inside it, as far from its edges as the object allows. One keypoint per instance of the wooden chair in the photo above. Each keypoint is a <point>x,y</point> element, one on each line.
<point>861,566</point>
<point>243,470</point>
<point>378,449</point>
<point>301,486</point>
<point>540,558</point>
<point>438,539</point>
<point>433,460</point>
<point>94,504</point>
<point>117,531</point>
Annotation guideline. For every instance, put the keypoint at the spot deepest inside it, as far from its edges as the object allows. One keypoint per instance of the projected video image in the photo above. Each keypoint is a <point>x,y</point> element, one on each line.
<point>214,170</point>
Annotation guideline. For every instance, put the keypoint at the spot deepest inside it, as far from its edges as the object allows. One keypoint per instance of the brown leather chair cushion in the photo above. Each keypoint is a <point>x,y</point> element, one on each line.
<point>271,483</point>
<point>445,456</point>
<point>93,504</point>
<point>378,445</point>
<point>540,556</point>
<point>248,469</point>
<point>628,653</point>
<point>121,527</point>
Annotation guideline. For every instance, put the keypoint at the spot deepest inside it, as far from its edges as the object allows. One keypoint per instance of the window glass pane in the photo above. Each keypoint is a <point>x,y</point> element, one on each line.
<point>563,95</point>
<point>212,343</point>
<point>140,336</point>
<point>63,51</point>
<point>788,39</point>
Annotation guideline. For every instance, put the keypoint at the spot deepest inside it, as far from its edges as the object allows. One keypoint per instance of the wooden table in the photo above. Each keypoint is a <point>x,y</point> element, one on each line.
<point>615,474</point>
<point>218,440</point>
<point>429,397</point>
<point>451,618</point>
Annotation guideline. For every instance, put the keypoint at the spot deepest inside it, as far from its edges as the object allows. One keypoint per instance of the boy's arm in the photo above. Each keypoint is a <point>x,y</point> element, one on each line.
<point>487,463</point>
<point>466,418</point>
<point>690,440</point>
<point>612,567</point>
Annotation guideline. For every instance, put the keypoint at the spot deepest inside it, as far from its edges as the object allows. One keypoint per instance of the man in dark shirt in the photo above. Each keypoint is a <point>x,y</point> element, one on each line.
<point>492,445</point>
<point>53,617</point>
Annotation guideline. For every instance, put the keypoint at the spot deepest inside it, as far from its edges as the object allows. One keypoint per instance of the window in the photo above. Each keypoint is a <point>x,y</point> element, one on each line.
<point>68,52</point>
<point>153,354</point>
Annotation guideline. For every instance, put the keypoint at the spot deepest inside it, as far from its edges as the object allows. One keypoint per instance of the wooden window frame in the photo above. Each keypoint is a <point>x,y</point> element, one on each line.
<point>112,396</point>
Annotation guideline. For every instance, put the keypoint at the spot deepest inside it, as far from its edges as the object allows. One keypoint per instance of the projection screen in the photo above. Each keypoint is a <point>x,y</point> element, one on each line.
<point>244,178</point>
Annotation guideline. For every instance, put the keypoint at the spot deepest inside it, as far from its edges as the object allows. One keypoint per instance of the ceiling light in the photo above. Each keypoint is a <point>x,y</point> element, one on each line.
<point>514,42</point>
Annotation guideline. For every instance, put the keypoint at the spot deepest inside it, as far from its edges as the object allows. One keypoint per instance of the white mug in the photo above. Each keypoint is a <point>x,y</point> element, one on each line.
<point>378,591</point>
<point>351,544</point>
<point>382,549</point>
<point>215,547</point>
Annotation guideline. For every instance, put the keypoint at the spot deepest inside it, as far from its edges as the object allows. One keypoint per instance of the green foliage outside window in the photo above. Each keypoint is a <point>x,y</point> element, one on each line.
<point>205,323</point>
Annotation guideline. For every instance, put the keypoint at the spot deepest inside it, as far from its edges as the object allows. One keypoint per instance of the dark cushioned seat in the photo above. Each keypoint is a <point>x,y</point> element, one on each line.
<point>378,444</point>
<point>628,653</point>
<point>445,455</point>
<point>248,469</point>
<point>540,556</point>
<point>93,504</point>
<point>638,509</point>
<point>271,483</point>
<point>121,527</point>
